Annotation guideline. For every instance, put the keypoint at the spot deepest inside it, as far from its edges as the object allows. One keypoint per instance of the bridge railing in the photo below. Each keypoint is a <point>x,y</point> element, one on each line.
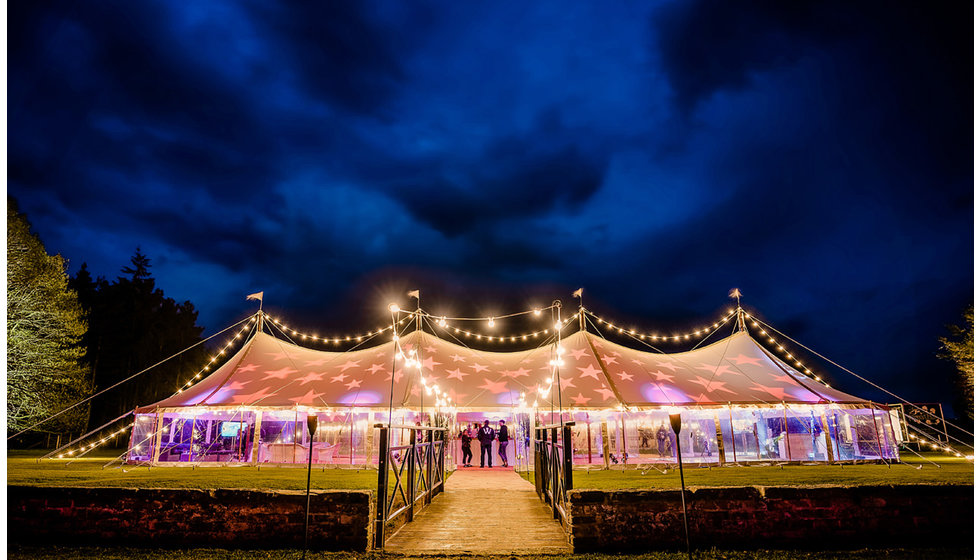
<point>418,469</point>
<point>553,467</point>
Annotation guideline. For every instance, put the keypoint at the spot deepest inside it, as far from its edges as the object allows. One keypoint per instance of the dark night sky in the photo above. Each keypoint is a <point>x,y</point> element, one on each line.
<point>817,155</point>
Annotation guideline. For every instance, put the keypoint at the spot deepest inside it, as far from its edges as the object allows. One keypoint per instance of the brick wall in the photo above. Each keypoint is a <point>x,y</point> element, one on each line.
<point>339,520</point>
<point>773,517</point>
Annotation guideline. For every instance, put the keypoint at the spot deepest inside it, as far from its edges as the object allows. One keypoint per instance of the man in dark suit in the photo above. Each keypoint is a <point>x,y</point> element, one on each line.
<point>503,438</point>
<point>486,436</point>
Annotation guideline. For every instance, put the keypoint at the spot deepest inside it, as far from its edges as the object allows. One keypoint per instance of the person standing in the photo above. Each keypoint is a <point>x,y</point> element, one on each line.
<point>466,440</point>
<point>503,438</point>
<point>486,436</point>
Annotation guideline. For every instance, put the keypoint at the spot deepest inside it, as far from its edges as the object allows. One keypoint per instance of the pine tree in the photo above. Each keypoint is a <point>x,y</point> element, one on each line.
<point>959,349</point>
<point>45,324</point>
<point>133,325</point>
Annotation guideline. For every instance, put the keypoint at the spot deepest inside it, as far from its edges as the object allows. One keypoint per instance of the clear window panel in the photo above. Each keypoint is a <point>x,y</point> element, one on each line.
<point>141,441</point>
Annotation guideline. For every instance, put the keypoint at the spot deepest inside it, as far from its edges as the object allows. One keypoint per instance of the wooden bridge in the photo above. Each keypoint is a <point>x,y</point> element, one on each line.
<point>483,511</point>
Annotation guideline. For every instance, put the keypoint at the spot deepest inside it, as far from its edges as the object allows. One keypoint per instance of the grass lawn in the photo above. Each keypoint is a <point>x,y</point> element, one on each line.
<point>85,553</point>
<point>24,469</point>
<point>951,470</point>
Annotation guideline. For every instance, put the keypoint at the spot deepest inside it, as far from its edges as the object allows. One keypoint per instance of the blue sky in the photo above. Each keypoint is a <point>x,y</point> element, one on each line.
<point>816,155</point>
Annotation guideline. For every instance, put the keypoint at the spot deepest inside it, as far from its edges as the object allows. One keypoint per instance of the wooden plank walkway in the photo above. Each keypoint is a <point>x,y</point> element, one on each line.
<point>483,511</point>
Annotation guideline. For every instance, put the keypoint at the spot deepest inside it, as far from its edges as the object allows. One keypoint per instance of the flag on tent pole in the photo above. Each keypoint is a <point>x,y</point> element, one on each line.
<point>578,292</point>
<point>414,294</point>
<point>256,295</point>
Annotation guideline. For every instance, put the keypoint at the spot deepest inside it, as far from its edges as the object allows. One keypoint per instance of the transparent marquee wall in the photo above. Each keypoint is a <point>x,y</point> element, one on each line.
<point>810,433</point>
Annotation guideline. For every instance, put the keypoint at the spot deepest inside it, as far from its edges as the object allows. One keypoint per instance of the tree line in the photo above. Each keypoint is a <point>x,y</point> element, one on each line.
<point>71,337</point>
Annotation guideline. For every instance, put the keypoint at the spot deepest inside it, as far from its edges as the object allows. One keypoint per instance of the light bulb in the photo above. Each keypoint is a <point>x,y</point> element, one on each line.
<point>537,312</point>
<point>393,308</point>
<point>558,325</point>
<point>490,322</point>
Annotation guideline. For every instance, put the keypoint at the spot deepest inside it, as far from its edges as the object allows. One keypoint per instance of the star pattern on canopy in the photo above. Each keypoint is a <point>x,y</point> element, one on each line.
<point>777,392</point>
<point>310,377</point>
<point>716,373</point>
<point>742,360</point>
<point>429,363</point>
<point>308,398</point>
<point>494,387</point>
<point>280,373</point>
<point>589,371</point>
<point>349,364</point>
<point>711,385</point>
<point>606,393</point>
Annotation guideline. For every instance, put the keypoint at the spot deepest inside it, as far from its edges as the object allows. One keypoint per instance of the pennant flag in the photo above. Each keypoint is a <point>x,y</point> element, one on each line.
<point>578,292</point>
<point>256,295</point>
<point>414,294</point>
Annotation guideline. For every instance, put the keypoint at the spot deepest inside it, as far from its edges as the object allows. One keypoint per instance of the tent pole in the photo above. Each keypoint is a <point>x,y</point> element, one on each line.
<point>256,435</point>
<point>826,436</point>
<point>158,439</point>
<point>789,452</point>
<point>720,440</point>
<point>874,421</point>
<point>731,424</point>
<point>891,427</point>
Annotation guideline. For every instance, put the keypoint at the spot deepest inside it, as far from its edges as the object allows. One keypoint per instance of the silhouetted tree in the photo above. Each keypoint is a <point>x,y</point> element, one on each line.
<point>132,325</point>
<point>958,349</point>
<point>45,368</point>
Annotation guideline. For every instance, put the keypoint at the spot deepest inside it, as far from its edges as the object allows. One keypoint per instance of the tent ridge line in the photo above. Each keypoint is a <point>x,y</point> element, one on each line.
<point>605,372</point>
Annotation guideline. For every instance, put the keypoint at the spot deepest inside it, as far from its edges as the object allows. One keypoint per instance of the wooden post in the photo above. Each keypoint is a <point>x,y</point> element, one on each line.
<point>604,431</point>
<point>554,466</point>
<point>429,464</point>
<point>588,436</point>
<point>256,435</point>
<point>874,421</point>
<point>731,424</point>
<point>566,433</point>
<point>942,418</point>
<point>826,434</point>
<point>891,427</point>
<point>157,440</point>
<point>789,451</point>
<point>622,424</point>
<point>721,441</point>
<point>381,512</point>
<point>368,438</point>
<point>411,474</point>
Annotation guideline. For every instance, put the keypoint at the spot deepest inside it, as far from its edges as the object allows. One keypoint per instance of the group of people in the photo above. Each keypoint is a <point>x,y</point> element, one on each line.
<point>485,435</point>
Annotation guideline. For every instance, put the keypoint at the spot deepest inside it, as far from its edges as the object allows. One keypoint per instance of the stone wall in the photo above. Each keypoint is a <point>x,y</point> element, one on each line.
<point>773,517</point>
<point>339,520</point>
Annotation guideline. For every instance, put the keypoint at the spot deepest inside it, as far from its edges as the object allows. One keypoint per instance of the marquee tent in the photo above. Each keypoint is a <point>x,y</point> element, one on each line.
<point>738,401</point>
